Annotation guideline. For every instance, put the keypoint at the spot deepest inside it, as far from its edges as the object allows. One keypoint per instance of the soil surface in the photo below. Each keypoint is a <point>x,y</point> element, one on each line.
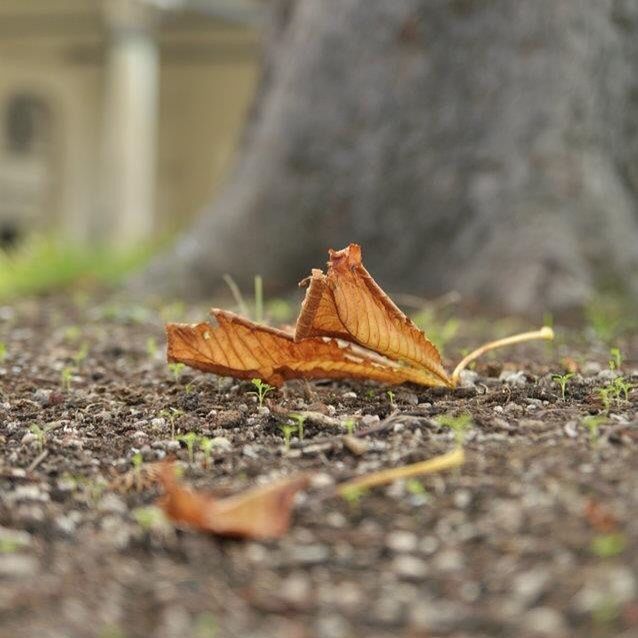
<point>535,535</point>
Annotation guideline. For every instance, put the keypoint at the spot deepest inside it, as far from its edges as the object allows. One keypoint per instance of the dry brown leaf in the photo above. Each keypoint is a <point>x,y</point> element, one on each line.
<point>260,513</point>
<point>348,303</point>
<point>240,348</point>
<point>348,328</point>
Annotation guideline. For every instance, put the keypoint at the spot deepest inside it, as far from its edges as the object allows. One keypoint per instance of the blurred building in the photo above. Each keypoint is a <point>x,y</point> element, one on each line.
<point>118,117</point>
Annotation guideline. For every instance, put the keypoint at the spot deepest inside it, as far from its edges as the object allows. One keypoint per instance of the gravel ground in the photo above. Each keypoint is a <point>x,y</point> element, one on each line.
<point>536,535</point>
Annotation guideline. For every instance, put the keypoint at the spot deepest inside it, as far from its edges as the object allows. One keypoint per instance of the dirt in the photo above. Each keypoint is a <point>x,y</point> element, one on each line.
<point>535,535</point>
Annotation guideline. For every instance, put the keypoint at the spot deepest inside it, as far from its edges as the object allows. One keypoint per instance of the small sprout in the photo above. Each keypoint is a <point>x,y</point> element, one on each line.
<point>616,359</point>
<point>40,435</point>
<point>562,380</point>
<point>176,370</point>
<point>352,495</point>
<point>3,351</point>
<point>391,399</point>
<point>172,414</point>
<point>350,426</point>
<point>137,460</point>
<point>415,487</point>
<point>151,347</point>
<point>81,354</point>
<point>206,445</point>
<point>458,424</point>
<point>288,429</point>
<point>189,439</point>
<point>370,394</point>
<point>259,299</point>
<point>263,389</point>
<point>593,423</point>
<point>149,517</point>
<point>188,388</point>
<point>66,376</point>
<point>608,545</point>
<point>620,388</point>
<point>605,397</point>
<point>299,420</point>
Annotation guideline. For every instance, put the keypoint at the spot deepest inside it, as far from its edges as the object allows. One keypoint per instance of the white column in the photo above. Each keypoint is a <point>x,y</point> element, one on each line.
<point>130,122</point>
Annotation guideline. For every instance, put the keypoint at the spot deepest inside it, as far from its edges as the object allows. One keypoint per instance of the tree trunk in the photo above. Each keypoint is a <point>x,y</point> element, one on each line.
<point>487,146</point>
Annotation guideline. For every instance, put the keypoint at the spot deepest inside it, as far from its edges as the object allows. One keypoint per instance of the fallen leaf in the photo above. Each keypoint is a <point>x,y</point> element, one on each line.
<point>348,327</point>
<point>348,303</point>
<point>600,517</point>
<point>240,348</point>
<point>259,513</point>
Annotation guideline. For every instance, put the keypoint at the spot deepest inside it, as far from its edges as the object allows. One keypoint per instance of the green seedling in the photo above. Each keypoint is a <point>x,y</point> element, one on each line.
<point>352,495</point>
<point>259,299</point>
<point>593,423</point>
<point>391,399</point>
<point>151,347</point>
<point>40,434</point>
<point>137,461</point>
<point>562,380</point>
<point>66,376</point>
<point>350,426</point>
<point>616,359</point>
<point>299,420</point>
<point>3,351</point>
<point>149,517</point>
<point>263,389</point>
<point>206,445</point>
<point>236,293</point>
<point>176,370</point>
<point>608,545</point>
<point>172,414</point>
<point>189,439</point>
<point>81,354</point>
<point>287,429</point>
<point>605,397</point>
<point>189,387</point>
<point>620,388</point>
<point>458,424</point>
<point>415,487</point>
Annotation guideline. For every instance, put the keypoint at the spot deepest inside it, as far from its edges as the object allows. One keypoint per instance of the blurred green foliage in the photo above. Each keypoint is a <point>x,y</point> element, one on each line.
<point>45,264</point>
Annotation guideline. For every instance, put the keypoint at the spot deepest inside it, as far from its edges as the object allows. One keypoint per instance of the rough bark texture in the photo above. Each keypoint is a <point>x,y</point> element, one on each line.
<point>486,146</point>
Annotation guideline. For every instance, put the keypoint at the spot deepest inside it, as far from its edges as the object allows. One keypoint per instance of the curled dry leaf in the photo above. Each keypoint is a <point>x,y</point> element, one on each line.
<point>240,348</point>
<point>348,328</point>
<point>348,303</point>
<point>259,513</point>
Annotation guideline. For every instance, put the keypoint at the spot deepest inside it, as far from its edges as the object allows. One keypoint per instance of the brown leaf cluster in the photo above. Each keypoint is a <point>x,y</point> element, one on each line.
<point>347,328</point>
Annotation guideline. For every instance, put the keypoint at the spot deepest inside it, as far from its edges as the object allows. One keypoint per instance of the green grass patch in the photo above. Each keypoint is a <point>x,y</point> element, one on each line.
<point>45,264</point>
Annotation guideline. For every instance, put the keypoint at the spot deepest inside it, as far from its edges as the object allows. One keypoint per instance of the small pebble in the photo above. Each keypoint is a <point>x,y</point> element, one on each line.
<point>401,541</point>
<point>409,567</point>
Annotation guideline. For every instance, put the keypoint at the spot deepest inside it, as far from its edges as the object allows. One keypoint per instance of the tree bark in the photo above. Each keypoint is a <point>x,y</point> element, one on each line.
<point>485,146</point>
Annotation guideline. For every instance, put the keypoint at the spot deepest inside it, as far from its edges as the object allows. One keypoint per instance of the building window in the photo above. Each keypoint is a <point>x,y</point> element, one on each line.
<point>26,124</point>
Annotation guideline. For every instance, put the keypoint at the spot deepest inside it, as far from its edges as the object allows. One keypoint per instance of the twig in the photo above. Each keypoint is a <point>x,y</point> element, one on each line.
<point>37,460</point>
<point>436,464</point>
<point>544,333</point>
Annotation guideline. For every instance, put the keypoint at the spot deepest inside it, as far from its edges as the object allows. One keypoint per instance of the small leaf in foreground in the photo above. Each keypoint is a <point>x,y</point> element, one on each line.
<point>259,513</point>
